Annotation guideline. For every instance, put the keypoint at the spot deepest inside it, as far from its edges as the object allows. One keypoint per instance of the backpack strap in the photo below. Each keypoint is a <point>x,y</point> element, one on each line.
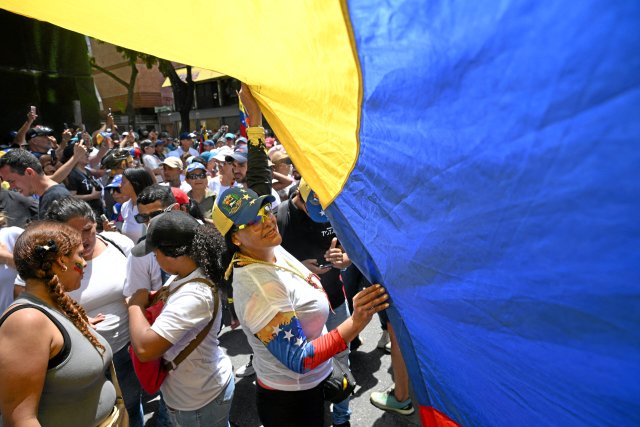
<point>113,243</point>
<point>203,333</point>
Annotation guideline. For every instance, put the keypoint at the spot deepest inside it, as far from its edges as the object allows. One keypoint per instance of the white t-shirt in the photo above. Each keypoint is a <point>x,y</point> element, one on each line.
<point>217,187</point>
<point>178,152</point>
<point>276,196</point>
<point>206,371</point>
<point>8,237</point>
<point>259,293</point>
<point>101,290</point>
<point>153,163</point>
<point>184,185</point>
<point>142,273</point>
<point>130,227</point>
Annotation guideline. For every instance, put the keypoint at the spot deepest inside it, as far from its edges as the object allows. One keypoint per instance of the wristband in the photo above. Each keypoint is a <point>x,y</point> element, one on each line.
<point>256,136</point>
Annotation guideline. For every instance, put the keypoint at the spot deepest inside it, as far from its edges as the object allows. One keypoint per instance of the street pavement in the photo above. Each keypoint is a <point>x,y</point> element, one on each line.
<point>371,368</point>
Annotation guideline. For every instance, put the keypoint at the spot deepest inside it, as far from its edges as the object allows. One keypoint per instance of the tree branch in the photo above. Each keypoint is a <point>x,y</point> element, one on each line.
<point>93,64</point>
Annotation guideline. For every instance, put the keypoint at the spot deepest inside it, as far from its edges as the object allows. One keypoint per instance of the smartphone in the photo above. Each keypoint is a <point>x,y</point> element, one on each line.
<point>104,218</point>
<point>33,109</point>
<point>322,263</point>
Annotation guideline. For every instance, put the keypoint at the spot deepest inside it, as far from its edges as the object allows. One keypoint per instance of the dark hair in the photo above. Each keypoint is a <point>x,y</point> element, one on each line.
<point>67,153</point>
<point>154,193</point>
<point>200,160</point>
<point>230,249</point>
<point>19,160</point>
<point>146,143</point>
<point>35,252</point>
<point>206,250</point>
<point>68,207</point>
<point>193,209</point>
<point>139,179</point>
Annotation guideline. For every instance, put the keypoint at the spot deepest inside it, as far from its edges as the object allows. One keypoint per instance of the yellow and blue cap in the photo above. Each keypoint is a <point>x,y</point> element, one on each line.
<point>237,206</point>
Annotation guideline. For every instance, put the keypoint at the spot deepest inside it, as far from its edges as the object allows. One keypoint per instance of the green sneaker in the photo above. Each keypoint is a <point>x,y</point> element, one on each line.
<point>386,401</point>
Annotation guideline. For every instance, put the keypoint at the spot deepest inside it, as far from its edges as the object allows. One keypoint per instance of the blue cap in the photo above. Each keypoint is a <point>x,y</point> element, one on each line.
<point>116,183</point>
<point>185,135</point>
<point>195,166</point>
<point>240,154</point>
<point>207,155</point>
<point>312,203</point>
<point>230,136</point>
<point>209,142</point>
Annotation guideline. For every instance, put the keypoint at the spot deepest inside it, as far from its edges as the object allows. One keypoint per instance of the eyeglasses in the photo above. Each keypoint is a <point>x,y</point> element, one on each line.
<point>197,176</point>
<point>144,218</point>
<point>264,213</point>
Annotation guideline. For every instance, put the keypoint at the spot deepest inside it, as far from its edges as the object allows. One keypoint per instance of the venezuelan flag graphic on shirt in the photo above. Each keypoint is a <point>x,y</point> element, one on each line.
<point>286,340</point>
<point>479,159</point>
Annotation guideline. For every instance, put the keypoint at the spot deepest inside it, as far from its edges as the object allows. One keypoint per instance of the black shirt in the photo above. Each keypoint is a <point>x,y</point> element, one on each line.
<point>306,239</point>
<point>19,209</point>
<point>83,184</point>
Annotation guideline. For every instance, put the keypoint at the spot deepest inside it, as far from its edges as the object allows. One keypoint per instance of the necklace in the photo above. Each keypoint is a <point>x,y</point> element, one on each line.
<point>243,260</point>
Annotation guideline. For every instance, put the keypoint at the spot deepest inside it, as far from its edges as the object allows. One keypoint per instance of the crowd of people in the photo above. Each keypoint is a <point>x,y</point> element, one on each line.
<point>92,224</point>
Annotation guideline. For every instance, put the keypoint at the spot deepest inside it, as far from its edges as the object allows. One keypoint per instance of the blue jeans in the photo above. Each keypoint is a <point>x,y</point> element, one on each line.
<point>131,389</point>
<point>341,412</point>
<point>214,413</point>
<point>163,419</point>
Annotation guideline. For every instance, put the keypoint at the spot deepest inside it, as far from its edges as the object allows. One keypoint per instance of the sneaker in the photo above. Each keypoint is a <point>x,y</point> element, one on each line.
<point>386,401</point>
<point>246,370</point>
<point>384,340</point>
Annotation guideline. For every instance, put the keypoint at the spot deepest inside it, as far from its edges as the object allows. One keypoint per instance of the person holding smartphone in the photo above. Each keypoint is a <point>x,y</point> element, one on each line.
<point>83,185</point>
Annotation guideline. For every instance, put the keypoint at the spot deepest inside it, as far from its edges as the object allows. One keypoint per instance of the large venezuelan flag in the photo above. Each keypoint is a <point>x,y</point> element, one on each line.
<point>481,159</point>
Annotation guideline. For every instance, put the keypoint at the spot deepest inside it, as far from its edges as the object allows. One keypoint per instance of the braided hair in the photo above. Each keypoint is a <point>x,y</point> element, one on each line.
<point>35,253</point>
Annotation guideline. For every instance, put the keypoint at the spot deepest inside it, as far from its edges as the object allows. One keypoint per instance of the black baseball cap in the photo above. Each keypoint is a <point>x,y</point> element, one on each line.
<point>171,229</point>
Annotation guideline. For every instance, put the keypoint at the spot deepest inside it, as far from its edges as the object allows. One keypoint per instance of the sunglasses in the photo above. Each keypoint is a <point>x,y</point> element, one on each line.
<point>145,218</point>
<point>197,176</point>
<point>264,213</point>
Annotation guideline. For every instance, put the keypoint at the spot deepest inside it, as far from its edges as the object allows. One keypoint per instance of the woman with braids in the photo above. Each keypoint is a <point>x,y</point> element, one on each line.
<point>100,292</point>
<point>52,365</point>
<point>281,306</point>
<point>199,387</point>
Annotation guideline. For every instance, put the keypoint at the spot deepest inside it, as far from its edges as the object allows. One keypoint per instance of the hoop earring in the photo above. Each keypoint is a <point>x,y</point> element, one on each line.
<point>64,268</point>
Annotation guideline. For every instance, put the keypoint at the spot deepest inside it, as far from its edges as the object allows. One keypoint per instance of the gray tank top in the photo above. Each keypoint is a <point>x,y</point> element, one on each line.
<point>76,390</point>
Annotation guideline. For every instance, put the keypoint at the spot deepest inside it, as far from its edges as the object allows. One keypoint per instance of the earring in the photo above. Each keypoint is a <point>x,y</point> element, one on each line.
<point>64,268</point>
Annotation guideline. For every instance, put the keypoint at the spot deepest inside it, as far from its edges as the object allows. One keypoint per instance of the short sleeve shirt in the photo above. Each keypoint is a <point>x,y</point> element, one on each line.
<point>259,293</point>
